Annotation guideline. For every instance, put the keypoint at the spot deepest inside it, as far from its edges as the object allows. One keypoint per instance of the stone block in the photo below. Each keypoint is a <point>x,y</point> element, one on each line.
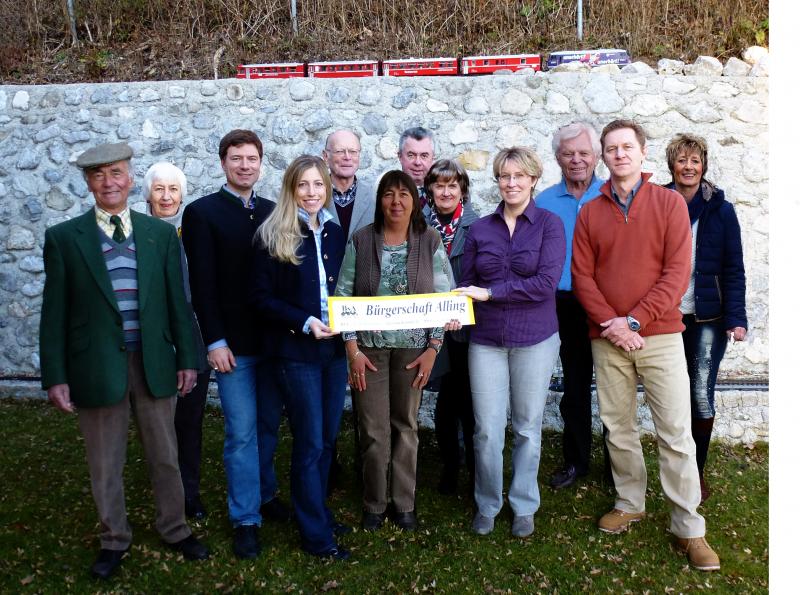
<point>149,94</point>
<point>102,95</point>
<point>300,90</point>
<point>700,112</point>
<point>50,99</point>
<point>76,136</point>
<point>47,134</point>
<point>606,69</point>
<point>476,105</point>
<point>208,89</point>
<point>404,98</point>
<point>176,91</point>
<point>57,200</point>
<point>124,131</point>
<point>458,86</point>
<point>73,96</point>
<point>32,290</point>
<point>317,120</point>
<point>32,209</point>
<point>649,105</point>
<point>374,124</point>
<point>760,68</point>
<point>28,159</point>
<point>754,53</point>
<point>601,96</point>
<point>516,102</point>
<point>234,92</point>
<point>557,103</point>
<point>57,152</point>
<point>667,66</point>
<point>707,66</point>
<point>204,121</point>
<point>127,113</point>
<point>463,133</point>
<point>31,264</point>
<point>20,238</point>
<point>338,94</point>
<point>149,130</point>
<point>637,68</point>
<point>286,131</point>
<point>751,112</point>
<point>736,67</point>
<point>436,106</point>
<point>21,100</point>
<point>510,136</point>
<point>571,67</point>
<point>677,86</point>
<point>474,160</point>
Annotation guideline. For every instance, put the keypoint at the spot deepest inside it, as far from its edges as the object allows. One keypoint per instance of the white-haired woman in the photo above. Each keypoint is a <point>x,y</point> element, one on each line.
<point>164,189</point>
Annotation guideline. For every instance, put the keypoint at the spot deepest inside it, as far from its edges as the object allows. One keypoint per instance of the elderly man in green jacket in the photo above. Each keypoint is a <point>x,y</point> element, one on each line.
<point>115,338</point>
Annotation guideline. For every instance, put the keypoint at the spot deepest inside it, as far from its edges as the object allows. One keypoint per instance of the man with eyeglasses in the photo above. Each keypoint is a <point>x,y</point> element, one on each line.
<point>354,199</point>
<point>416,154</point>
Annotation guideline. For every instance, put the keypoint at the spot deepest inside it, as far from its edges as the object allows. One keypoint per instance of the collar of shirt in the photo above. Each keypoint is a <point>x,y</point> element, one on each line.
<point>345,198</point>
<point>323,216</point>
<point>103,219</point>
<point>248,203</point>
<point>627,205</point>
<point>528,212</point>
<point>595,183</point>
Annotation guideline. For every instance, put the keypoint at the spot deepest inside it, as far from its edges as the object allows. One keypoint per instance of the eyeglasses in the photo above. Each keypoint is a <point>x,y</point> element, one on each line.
<point>506,179</point>
<point>346,152</point>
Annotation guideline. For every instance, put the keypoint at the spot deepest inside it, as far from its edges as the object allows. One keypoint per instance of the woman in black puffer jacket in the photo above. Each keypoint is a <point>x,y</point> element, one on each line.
<point>714,305</point>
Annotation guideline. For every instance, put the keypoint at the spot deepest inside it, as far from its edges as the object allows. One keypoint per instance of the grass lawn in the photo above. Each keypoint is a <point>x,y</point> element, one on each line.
<point>48,528</point>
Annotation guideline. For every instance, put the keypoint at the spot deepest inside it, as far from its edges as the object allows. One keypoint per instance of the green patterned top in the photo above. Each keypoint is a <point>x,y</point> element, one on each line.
<point>394,281</point>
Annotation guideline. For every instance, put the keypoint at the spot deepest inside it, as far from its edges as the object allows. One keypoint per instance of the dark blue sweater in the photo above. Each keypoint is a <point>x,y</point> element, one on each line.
<point>286,295</point>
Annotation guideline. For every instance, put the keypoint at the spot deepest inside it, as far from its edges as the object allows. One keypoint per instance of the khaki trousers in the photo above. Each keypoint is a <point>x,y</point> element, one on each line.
<point>661,366</point>
<point>105,433</point>
<point>387,420</point>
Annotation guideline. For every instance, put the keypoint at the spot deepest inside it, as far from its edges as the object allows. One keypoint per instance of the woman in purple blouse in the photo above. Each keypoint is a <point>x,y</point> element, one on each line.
<point>511,266</point>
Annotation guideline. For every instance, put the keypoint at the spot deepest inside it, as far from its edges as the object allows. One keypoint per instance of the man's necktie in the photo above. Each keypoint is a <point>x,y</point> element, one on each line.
<point>119,234</point>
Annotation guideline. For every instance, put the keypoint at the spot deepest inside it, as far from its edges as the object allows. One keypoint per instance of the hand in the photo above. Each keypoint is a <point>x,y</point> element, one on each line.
<point>620,335</point>
<point>320,330</point>
<point>59,396</point>
<point>187,380</point>
<point>424,365</point>
<point>736,334</point>
<point>358,363</point>
<point>222,359</point>
<point>479,294</point>
<point>453,325</point>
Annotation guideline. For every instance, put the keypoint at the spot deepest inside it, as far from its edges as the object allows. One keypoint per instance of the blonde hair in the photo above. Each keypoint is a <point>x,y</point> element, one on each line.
<point>281,233</point>
<point>526,158</point>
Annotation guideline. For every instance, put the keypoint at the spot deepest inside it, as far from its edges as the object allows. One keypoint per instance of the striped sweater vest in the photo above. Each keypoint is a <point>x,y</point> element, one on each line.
<point>120,261</point>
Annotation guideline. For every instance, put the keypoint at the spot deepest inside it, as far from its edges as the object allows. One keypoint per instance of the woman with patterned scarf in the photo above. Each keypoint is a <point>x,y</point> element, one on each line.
<point>450,213</point>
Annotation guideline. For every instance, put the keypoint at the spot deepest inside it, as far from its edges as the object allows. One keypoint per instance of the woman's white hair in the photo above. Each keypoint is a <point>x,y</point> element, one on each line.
<point>166,172</point>
<point>574,130</point>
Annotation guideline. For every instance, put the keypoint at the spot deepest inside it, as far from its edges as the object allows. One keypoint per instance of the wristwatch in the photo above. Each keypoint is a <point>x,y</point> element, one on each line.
<point>437,347</point>
<point>633,324</point>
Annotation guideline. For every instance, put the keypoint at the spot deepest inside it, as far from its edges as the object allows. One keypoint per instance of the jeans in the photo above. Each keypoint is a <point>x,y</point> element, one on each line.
<point>252,407</point>
<point>704,345</point>
<point>519,376</point>
<point>314,398</point>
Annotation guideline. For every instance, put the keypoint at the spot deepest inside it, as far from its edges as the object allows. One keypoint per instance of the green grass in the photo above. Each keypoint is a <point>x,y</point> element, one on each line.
<point>48,528</point>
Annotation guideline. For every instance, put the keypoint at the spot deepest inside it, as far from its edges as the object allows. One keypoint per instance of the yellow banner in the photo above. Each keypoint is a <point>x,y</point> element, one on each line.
<point>385,313</point>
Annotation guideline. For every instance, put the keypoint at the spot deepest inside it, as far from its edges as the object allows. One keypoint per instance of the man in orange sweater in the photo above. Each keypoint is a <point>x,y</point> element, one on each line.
<point>630,266</point>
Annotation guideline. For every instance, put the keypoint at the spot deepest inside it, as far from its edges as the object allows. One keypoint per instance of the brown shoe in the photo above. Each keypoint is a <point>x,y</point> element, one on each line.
<point>700,554</point>
<point>618,520</point>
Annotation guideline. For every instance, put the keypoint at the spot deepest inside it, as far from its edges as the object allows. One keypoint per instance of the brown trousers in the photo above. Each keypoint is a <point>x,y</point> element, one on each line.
<point>105,432</point>
<point>387,420</point>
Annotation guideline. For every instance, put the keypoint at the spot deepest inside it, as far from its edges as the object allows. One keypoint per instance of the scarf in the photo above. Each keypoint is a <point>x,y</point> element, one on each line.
<point>447,230</point>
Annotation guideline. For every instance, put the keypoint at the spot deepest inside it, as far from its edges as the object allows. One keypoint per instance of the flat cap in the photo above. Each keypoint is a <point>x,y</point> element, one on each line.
<point>104,154</point>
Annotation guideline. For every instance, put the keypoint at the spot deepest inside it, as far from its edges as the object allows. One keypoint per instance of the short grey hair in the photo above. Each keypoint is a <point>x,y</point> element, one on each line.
<point>574,130</point>
<point>166,172</point>
<point>417,133</point>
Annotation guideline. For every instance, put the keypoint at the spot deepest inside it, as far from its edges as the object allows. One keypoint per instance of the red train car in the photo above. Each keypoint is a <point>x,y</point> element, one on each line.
<point>343,69</point>
<point>489,64</point>
<point>421,67</point>
<point>271,71</point>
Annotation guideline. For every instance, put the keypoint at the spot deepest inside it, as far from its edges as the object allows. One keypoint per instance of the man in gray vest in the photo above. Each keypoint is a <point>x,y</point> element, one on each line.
<point>353,199</point>
<point>116,338</point>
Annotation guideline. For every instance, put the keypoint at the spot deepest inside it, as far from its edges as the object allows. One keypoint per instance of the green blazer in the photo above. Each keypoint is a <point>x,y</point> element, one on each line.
<point>81,342</point>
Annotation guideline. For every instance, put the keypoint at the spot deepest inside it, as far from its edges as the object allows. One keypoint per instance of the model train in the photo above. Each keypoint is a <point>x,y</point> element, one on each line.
<point>470,65</point>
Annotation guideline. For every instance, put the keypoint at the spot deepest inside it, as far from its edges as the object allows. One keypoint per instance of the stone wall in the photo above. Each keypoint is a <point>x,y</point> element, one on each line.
<point>44,128</point>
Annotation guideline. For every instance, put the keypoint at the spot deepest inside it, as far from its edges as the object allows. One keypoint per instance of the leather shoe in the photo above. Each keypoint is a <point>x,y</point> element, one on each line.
<point>336,552</point>
<point>191,548</point>
<point>246,544</point>
<point>372,521</point>
<point>194,509</point>
<point>275,510</point>
<point>564,478</point>
<point>407,521</point>
<point>340,529</point>
<point>107,563</point>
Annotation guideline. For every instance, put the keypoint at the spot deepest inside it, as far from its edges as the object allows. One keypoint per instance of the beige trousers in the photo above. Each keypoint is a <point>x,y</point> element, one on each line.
<point>661,365</point>
<point>105,433</point>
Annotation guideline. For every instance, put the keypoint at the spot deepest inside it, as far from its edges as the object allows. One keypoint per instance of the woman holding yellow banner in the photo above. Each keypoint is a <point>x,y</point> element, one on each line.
<point>511,266</point>
<point>396,255</point>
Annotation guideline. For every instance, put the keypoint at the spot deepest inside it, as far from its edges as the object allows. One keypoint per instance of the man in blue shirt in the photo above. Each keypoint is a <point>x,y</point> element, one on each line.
<point>577,150</point>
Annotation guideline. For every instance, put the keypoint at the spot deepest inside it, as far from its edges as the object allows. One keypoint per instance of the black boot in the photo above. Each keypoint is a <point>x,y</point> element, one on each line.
<point>701,433</point>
